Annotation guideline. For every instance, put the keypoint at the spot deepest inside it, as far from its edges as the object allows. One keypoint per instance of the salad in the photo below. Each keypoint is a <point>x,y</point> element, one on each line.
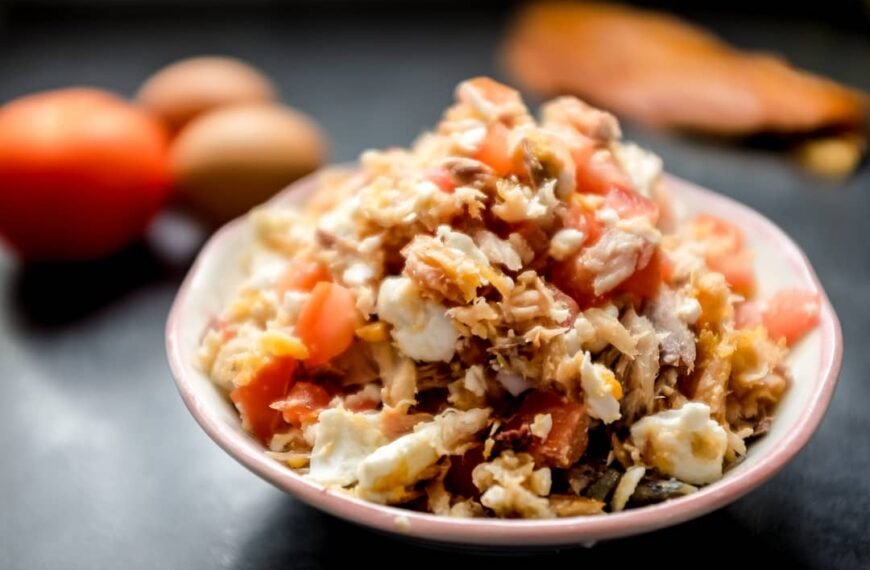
<point>508,319</point>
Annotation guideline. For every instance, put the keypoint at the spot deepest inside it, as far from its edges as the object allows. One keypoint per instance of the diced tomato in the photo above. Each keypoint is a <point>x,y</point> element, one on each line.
<point>567,440</point>
<point>495,150</point>
<point>458,479</point>
<point>747,314</point>
<point>584,220</point>
<point>737,268</point>
<point>721,236</point>
<point>327,322</point>
<point>597,169</point>
<point>725,252</point>
<point>572,277</point>
<point>443,179</point>
<point>302,275</point>
<point>645,282</point>
<point>303,402</point>
<point>270,384</point>
<point>791,313</point>
<point>630,204</point>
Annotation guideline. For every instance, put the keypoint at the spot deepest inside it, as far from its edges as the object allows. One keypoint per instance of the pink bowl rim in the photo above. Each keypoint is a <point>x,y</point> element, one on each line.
<point>493,532</point>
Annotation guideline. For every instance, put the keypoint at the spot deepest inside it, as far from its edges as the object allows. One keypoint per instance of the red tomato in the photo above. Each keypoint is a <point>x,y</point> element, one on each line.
<point>721,236</point>
<point>572,277</point>
<point>790,314</point>
<point>81,173</point>
<point>327,322</point>
<point>495,150</point>
<point>254,399</point>
<point>443,179</point>
<point>567,440</point>
<point>303,403</point>
<point>645,283</point>
<point>597,169</point>
<point>302,275</point>
<point>737,268</point>
<point>747,314</point>
<point>725,252</point>
<point>584,220</point>
<point>629,204</point>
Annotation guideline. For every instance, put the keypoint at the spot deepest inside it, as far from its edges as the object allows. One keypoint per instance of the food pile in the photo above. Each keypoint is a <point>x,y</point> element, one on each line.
<point>505,320</point>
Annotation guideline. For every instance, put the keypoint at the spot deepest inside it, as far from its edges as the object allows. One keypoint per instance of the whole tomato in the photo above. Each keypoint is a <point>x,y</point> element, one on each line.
<point>82,172</point>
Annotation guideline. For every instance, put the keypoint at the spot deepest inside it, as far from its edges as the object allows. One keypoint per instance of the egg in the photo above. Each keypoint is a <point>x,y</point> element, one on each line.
<point>342,441</point>
<point>421,327</point>
<point>601,389</point>
<point>685,443</point>
<point>384,475</point>
<point>181,91</point>
<point>231,159</point>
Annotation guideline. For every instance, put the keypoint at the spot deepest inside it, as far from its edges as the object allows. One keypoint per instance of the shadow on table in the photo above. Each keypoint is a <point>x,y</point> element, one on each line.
<point>48,296</point>
<point>297,536</point>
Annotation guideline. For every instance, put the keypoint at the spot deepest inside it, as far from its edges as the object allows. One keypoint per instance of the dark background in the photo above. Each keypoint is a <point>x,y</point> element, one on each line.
<point>102,467</point>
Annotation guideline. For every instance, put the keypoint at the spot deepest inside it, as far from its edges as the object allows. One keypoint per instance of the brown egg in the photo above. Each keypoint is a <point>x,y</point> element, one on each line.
<point>233,158</point>
<point>179,92</point>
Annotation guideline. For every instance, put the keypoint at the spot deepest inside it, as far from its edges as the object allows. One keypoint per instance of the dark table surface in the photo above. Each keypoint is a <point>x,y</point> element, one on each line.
<point>102,466</point>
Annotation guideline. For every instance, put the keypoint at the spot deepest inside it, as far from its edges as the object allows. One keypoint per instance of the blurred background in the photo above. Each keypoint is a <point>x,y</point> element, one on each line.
<point>104,467</point>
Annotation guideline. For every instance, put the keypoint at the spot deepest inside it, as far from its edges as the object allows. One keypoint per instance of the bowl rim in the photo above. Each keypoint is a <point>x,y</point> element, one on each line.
<point>565,531</point>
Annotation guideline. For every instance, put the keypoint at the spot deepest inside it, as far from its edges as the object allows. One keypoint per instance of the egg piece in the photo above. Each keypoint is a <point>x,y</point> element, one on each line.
<point>601,389</point>
<point>626,487</point>
<point>181,91</point>
<point>421,327</point>
<point>684,443</point>
<point>229,160</point>
<point>342,440</point>
<point>384,475</point>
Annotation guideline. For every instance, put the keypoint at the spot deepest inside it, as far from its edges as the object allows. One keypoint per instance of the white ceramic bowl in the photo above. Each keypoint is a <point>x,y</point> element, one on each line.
<point>815,363</point>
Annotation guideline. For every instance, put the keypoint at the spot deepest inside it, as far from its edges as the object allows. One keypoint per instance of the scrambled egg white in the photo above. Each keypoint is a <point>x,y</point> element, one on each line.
<point>342,440</point>
<point>684,443</point>
<point>384,475</point>
<point>421,327</point>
